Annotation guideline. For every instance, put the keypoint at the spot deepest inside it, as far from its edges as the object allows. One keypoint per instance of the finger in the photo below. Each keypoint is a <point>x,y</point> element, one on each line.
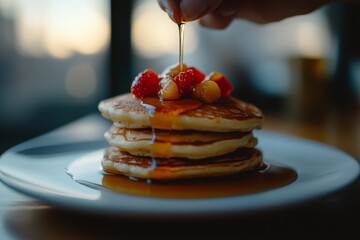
<point>228,8</point>
<point>172,8</point>
<point>195,9</point>
<point>216,21</point>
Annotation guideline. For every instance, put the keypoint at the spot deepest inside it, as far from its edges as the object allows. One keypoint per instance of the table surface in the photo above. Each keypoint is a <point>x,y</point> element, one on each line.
<point>22,217</point>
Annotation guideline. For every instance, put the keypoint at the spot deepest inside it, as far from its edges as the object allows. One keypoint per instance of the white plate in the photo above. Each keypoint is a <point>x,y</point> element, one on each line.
<point>38,169</point>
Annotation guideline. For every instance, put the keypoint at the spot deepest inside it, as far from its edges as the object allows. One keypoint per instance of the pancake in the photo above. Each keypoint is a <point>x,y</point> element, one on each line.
<point>226,115</point>
<point>181,144</point>
<point>118,162</point>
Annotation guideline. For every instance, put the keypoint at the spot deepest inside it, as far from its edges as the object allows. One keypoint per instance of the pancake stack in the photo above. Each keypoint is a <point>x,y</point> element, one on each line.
<point>203,140</point>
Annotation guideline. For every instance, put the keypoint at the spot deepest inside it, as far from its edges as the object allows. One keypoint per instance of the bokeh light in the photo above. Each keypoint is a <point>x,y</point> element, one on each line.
<point>81,81</point>
<point>57,28</point>
<point>154,35</point>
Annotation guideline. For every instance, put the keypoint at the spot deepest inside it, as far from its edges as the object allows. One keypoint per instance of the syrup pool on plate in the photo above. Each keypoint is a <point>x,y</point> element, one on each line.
<point>87,171</point>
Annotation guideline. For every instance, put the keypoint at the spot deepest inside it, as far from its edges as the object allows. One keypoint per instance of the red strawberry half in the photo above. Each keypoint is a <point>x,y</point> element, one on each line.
<point>187,80</point>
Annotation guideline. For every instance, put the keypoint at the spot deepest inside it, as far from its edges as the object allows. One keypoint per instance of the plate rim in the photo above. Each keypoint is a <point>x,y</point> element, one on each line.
<point>80,206</point>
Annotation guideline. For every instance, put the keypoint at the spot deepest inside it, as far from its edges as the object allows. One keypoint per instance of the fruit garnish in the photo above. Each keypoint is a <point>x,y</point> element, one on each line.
<point>169,89</point>
<point>198,76</point>
<point>207,91</point>
<point>146,84</point>
<point>175,83</point>
<point>186,80</point>
<point>223,83</point>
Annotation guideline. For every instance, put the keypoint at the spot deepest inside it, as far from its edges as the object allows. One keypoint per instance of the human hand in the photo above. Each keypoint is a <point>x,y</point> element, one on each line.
<point>219,14</point>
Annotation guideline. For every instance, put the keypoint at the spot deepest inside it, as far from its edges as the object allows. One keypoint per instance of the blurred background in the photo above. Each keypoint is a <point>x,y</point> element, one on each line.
<point>58,59</point>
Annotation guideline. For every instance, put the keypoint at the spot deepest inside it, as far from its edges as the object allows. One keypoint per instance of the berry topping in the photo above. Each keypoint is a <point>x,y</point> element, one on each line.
<point>223,83</point>
<point>185,82</point>
<point>207,91</point>
<point>175,83</point>
<point>169,89</point>
<point>146,84</point>
<point>198,76</point>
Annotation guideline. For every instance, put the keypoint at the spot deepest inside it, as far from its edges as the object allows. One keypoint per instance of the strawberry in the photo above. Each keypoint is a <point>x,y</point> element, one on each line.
<point>198,76</point>
<point>185,82</point>
<point>223,83</point>
<point>146,84</point>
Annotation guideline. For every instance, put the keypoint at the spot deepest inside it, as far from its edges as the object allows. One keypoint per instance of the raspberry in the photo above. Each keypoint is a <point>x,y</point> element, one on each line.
<point>198,76</point>
<point>146,84</point>
<point>185,81</point>
<point>223,83</point>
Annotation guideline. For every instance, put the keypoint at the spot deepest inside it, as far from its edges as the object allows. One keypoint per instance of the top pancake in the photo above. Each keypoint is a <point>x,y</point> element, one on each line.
<point>228,114</point>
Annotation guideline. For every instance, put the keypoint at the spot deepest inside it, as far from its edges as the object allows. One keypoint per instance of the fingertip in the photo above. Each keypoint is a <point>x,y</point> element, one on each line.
<point>215,21</point>
<point>195,9</point>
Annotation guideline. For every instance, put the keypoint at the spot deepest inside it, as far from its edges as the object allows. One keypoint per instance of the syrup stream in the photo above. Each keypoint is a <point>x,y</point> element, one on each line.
<point>181,44</point>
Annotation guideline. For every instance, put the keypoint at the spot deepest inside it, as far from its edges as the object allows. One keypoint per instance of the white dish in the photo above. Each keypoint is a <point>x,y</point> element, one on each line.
<point>38,169</point>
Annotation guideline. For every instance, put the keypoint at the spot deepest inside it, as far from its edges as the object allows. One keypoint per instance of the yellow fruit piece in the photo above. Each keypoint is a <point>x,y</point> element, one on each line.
<point>169,89</point>
<point>207,91</point>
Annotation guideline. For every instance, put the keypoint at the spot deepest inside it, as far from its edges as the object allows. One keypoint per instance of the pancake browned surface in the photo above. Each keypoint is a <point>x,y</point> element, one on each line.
<point>228,114</point>
<point>116,161</point>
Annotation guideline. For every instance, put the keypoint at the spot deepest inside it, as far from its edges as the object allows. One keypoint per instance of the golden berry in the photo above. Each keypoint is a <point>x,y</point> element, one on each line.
<point>169,89</point>
<point>207,91</point>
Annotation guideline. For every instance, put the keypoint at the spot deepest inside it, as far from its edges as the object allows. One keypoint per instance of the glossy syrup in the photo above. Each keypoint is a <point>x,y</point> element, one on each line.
<point>257,181</point>
<point>181,43</point>
<point>162,115</point>
<point>87,171</point>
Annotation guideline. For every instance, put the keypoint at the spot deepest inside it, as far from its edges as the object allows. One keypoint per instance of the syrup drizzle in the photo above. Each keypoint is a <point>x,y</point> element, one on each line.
<point>162,115</point>
<point>171,110</point>
<point>181,44</point>
<point>152,111</point>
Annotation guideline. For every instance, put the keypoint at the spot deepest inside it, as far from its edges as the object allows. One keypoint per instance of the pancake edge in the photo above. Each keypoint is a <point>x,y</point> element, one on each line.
<point>184,172</point>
